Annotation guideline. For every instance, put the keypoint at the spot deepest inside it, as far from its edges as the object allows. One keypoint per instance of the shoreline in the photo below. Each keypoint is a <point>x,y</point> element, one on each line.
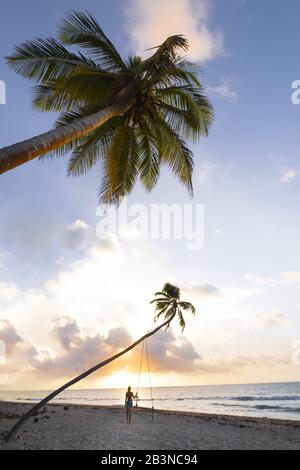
<point>98,427</point>
<point>204,416</point>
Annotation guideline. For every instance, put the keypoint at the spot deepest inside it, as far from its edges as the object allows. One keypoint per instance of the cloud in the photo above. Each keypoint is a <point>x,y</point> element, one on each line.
<point>171,355</point>
<point>82,350</point>
<point>285,278</point>
<point>77,235</point>
<point>151,22</point>
<point>271,318</point>
<point>77,317</point>
<point>19,354</point>
<point>236,365</point>
<point>79,350</point>
<point>223,91</point>
<point>118,337</point>
<point>256,280</point>
<point>81,236</point>
<point>205,289</point>
<point>9,335</point>
<point>287,176</point>
<point>290,277</point>
<point>94,287</point>
<point>167,353</point>
<point>8,293</point>
<point>66,329</point>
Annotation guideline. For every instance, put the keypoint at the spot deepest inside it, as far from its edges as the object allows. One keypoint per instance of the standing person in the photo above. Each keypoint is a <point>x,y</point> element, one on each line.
<point>129,397</point>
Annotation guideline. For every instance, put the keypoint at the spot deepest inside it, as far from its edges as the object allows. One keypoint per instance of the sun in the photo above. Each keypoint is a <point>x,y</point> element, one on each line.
<point>121,379</point>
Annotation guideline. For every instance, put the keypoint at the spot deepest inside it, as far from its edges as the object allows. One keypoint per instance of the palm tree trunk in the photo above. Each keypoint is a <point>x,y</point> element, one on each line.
<point>82,376</point>
<point>22,152</point>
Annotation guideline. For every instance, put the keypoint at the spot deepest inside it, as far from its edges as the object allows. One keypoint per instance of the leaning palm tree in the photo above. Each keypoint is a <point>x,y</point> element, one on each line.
<point>168,305</point>
<point>133,115</point>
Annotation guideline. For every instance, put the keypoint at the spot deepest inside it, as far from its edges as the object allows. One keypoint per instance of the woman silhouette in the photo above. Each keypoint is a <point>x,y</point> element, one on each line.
<point>129,397</point>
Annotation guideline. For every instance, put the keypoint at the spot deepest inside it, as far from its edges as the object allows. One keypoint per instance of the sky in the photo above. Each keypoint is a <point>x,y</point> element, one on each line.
<point>69,298</point>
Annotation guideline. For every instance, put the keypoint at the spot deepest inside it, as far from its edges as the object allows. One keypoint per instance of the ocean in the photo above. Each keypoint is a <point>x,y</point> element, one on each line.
<point>276,400</point>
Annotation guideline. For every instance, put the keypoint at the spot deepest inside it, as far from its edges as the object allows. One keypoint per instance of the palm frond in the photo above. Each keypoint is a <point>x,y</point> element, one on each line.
<point>188,72</point>
<point>162,61</point>
<point>165,53</point>
<point>187,306</point>
<point>121,166</point>
<point>49,98</point>
<point>176,73</point>
<point>161,299</point>
<point>169,313</point>
<point>68,117</point>
<point>82,29</point>
<point>47,59</point>
<point>133,63</point>
<point>181,121</point>
<point>93,148</point>
<point>72,92</point>
<point>159,305</point>
<point>172,149</point>
<point>162,293</point>
<point>149,157</point>
<point>182,323</point>
<point>189,104</point>
<point>162,312</point>
<point>84,157</point>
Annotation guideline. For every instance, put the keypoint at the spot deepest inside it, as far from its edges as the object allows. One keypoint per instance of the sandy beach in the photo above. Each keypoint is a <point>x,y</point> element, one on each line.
<point>102,428</point>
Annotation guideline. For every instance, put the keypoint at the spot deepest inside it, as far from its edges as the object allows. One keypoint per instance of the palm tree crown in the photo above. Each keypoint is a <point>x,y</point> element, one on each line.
<point>164,98</point>
<point>168,304</point>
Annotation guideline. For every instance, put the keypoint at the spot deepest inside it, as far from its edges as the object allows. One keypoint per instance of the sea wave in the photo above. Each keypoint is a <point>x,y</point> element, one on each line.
<point>266,398</point>
<point>277,408</point>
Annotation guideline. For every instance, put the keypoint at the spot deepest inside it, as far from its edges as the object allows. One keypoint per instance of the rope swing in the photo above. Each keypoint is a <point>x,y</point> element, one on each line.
<point>145,351</point>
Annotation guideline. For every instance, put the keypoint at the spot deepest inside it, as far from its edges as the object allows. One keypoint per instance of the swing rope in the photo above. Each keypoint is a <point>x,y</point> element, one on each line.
<point>149,374</point>
<point>145,350</point>
<point>140,371</point>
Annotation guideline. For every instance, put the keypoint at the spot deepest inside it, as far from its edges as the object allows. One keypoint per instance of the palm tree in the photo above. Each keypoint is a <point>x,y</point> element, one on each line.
<point>133,115</point>
<point>168,306</point>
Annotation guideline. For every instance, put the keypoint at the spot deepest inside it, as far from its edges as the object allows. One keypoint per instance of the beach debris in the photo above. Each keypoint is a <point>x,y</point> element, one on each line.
<point>9,416</point>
